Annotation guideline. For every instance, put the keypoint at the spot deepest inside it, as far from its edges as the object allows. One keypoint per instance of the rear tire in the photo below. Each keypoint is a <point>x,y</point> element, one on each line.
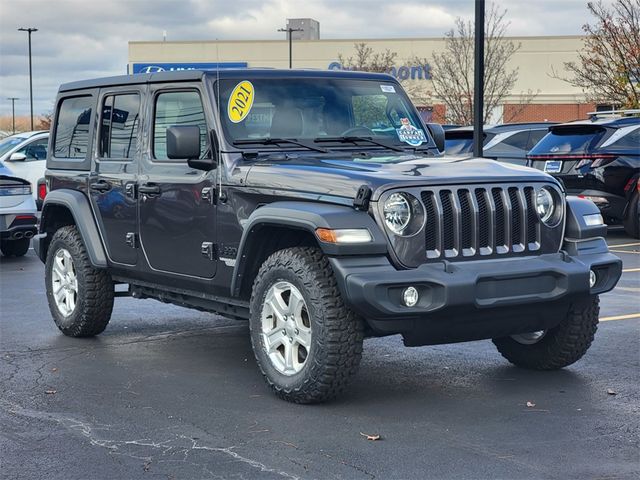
<point>558,347</point>
<point>323,334</point>
<point>80,296</point>
<point>631,221</point>
<point>15,248</point>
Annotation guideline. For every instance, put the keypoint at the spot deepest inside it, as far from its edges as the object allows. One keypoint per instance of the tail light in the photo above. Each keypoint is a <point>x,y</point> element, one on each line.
<point>42,191</point>
<point>10,190</point>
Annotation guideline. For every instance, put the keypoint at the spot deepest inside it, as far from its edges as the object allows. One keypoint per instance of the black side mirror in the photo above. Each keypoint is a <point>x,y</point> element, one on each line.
<point>183,142</point>
<point>437,132</point>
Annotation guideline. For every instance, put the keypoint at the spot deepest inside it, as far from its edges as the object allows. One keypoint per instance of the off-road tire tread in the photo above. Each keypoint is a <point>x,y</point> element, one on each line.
<point>15,248</point>
<point>95,292</point>
<point>562,345</point>
<point>341,348</point>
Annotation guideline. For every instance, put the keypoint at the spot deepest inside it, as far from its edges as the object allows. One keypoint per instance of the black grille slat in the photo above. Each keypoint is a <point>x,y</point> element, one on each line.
<point>481,221</point>
<point>516,216</point>
<point>467,221</point>
<point>431,226</point>
<point>448,238</point>
<point>532,217</point>
<point>499,207</point>
<point>484,218</point>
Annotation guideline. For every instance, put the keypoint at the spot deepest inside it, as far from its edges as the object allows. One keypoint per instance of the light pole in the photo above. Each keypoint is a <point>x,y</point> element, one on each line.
<point>478,81</point>
<point>289,30</point>
<point>13,111</point>
<point>30,30</point>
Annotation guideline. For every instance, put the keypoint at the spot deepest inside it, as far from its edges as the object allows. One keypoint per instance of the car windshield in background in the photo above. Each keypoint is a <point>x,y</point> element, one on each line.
<point>8,143</point>
<point>318,111</point>
<point>459,146</point>
<point>573,140</point>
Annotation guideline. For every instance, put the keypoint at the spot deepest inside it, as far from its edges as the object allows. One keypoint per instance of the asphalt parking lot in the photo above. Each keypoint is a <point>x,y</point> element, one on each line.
<point>170,393</point>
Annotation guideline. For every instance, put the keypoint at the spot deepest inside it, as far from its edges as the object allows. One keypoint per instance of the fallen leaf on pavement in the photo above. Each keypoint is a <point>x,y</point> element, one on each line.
<point>531,404</point>
<point>611,391</point>
<point>54,369</point>
<point>50,392</point>
<point>371,437</point>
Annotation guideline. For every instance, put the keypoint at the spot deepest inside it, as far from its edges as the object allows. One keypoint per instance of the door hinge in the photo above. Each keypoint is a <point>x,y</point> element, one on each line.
<point>207,250</point>
<point>131,239</point>
<point>361,202</point>
<point>208,194</point>
<point>130,190</point>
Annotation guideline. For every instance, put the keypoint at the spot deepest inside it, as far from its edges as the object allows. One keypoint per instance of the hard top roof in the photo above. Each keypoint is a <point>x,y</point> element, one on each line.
<point>244,73</point>
<point>505,127</point>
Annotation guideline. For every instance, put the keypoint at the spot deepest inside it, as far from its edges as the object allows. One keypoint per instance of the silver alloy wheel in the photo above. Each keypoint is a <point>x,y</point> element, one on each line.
<point>64,283</point>
<point>286,328</point>
<point>529,338</point>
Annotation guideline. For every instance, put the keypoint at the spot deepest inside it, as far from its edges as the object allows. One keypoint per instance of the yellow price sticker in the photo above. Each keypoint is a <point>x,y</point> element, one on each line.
<point>240,101</point>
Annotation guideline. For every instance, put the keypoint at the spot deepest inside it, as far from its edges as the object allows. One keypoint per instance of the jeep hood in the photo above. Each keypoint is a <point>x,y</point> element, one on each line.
<point>339,177</point>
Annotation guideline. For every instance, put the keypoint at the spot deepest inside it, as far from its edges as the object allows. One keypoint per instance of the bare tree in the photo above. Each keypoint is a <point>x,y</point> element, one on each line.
<point>366,59</point>
<point>608,67</point>
<point>44,122</point>
<point>453,68</point>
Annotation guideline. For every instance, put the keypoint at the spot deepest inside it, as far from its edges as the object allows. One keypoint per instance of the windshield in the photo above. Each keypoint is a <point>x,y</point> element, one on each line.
<point>317,110</point>
<point>8,143</point>
<point>573,140</point>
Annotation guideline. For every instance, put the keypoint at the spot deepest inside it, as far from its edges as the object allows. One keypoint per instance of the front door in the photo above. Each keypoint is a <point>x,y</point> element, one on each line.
<point>177,210</point>
<point>112,186</point>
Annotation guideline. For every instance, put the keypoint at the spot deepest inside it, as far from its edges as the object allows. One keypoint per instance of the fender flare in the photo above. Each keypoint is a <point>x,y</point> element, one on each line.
<point>307,216</point>
<point>78,205</point>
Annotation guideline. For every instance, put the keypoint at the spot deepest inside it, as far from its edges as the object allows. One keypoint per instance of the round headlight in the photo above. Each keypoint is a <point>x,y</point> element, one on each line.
<point>545,205</point>
<point>397,213</point>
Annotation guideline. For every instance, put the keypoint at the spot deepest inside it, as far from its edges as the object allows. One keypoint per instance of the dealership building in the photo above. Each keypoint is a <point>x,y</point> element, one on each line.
<point>539,60</point>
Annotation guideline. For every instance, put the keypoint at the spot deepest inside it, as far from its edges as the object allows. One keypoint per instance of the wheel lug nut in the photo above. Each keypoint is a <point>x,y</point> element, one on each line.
<point>290,339</point>
<point>284,332</point>
<point>297,331</point>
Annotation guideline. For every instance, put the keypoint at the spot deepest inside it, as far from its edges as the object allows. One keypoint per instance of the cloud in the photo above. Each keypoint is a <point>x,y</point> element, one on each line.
<point>83,39</point>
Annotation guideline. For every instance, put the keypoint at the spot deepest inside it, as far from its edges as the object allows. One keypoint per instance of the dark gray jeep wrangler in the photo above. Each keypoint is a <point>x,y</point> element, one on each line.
<point>316,205</point>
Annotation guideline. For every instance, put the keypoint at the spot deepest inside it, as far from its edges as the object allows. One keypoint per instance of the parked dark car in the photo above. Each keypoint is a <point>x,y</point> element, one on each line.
<point>316,205</point>
<point>598,159</point>
<point>506,143</point>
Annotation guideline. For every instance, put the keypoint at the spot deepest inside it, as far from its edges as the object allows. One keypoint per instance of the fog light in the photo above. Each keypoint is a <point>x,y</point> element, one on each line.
<point>410,296</point>
<point>592,279</point>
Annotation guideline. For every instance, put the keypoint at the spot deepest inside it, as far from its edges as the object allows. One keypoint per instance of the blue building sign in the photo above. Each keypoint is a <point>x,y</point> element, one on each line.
<point>174,67</point>
<point>403,72</point>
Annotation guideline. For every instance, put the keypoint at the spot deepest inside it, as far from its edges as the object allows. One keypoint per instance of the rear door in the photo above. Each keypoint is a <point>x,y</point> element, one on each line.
<point>113,179</point>
<point>176,202</point>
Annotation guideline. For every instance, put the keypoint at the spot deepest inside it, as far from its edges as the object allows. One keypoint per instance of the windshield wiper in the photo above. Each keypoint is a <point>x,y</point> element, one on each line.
<point>355,140</point>
<point>276,141</point>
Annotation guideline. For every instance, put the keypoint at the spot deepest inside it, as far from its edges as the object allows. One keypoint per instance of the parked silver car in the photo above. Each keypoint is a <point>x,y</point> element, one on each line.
<point>17,214</point>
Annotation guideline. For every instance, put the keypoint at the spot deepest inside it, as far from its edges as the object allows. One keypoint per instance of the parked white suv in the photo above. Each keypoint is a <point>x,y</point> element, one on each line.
<point>17,214</point>
<point>25,154</point>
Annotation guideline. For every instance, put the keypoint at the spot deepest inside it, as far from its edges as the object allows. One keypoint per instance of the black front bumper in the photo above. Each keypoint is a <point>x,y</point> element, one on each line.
<point>475,299</point>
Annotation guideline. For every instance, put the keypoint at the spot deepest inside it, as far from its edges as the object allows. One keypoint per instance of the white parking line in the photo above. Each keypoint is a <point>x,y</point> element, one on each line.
<point>627,270</point>
<point>636,244</point>
<point>620,317</point>
<point>633,252</point>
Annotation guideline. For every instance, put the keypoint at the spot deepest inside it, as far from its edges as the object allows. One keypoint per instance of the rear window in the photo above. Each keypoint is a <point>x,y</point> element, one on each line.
<point>72,127</point>
<point>568,141</point>
<point>625,138</point>
<point>461,143</point>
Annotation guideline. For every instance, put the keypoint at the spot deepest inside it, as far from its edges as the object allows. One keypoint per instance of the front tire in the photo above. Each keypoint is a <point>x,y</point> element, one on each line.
<point>557,347</point>
<point>15,248</point>
<point>80,296</point>
<point>307,343</point>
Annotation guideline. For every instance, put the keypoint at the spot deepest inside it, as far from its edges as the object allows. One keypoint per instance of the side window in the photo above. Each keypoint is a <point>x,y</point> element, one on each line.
<point>177,108</point>
<point>536,136</point>
<point>36,150</point>
<point>518,140</point>
<point>119,126</point>
<point>72,127</point>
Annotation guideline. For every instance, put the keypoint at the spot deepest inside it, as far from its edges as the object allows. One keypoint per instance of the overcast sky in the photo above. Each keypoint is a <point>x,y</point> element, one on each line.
<point>80,39</point>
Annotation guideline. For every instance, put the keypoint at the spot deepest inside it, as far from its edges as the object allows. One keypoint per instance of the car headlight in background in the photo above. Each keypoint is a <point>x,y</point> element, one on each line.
<point>546,205</point>
<point>403,214</point>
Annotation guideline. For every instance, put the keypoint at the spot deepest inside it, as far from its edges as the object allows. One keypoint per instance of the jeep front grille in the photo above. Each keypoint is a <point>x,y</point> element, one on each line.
<point>480,221</point>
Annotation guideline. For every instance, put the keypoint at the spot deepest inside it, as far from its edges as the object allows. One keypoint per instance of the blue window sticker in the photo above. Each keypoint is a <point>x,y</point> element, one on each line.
<point>407,133</point>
